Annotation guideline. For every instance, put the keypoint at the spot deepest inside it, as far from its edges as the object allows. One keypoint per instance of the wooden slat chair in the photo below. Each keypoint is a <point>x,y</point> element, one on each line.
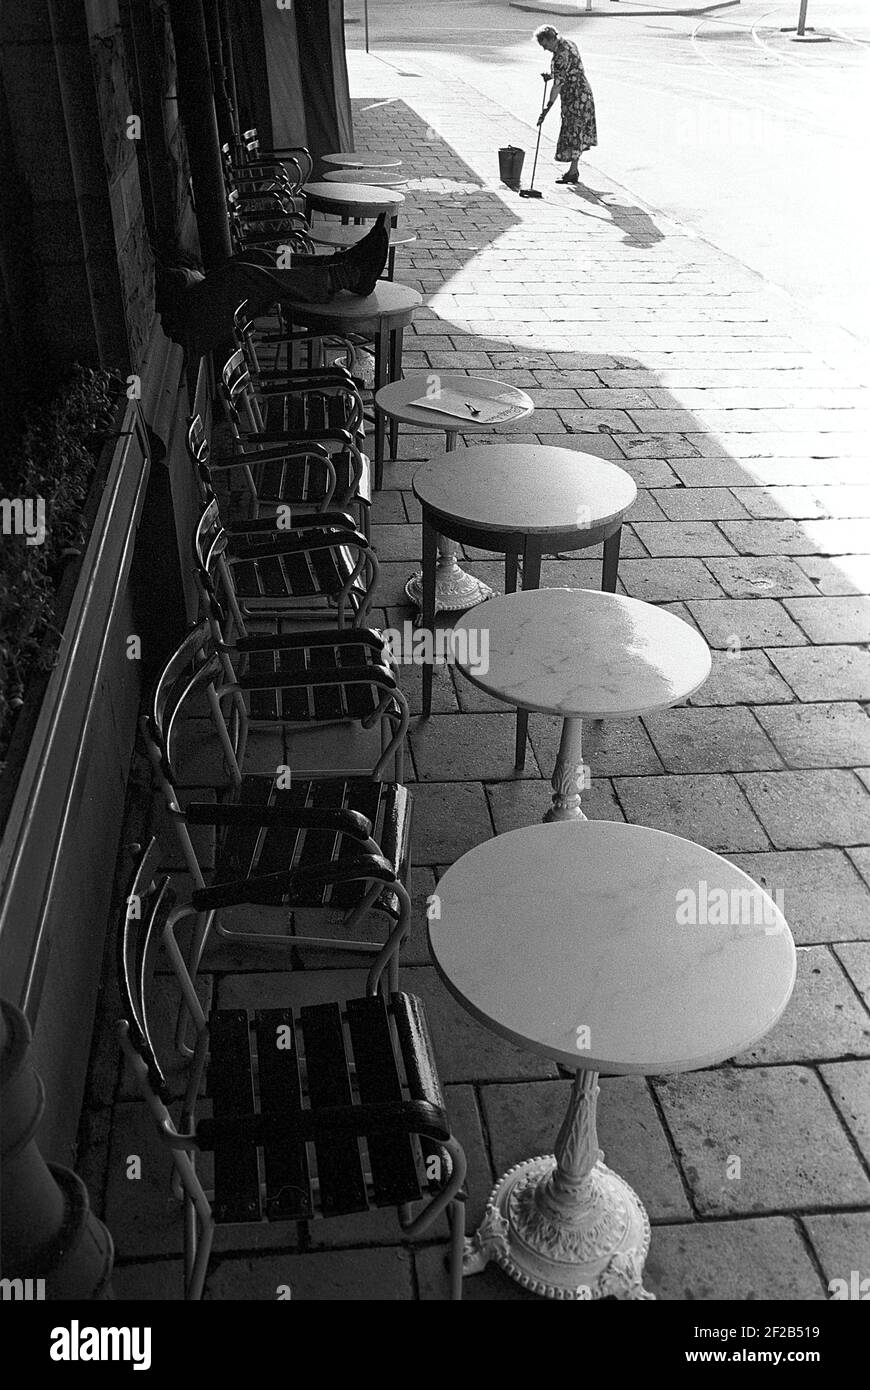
<point>263,826</point>
<point>280,416</point>
<point>302,679</point>
<point>316,1111</point>
<point>315,568</point>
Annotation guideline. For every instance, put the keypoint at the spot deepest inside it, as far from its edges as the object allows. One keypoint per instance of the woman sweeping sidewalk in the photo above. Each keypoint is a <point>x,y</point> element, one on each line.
<point>578,132</point>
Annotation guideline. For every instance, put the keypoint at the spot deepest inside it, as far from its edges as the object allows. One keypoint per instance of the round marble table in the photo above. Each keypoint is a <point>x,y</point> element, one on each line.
<point>522,499</point>
<point>354,160</point>
<point>454,588</point>
<point>336,234</point>
<point>381,316</point>
<point>376,178</point>
<point>581,654</point>
<point>590,945</point>
<point>361,200</point>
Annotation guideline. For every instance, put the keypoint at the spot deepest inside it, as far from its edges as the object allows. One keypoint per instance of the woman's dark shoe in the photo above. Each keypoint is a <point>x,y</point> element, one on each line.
<point>569,178</point>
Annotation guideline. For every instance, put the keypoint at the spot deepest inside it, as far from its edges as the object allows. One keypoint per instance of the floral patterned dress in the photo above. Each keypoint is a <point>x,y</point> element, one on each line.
<point>578,106</point>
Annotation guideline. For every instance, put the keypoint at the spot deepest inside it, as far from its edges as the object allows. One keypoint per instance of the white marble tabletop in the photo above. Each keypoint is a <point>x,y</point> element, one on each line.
<point>525,487</point>
<point>387,299</point>
<point>354,160</point>
<point>582,653</point>
<point>600,945</point>
<point>355,199</point>
<point>378,178</point>
<point>395,399</point>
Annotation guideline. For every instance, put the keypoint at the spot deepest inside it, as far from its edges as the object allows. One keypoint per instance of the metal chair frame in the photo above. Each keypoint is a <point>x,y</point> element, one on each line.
<point>136,957</point>
<point>196,667</point>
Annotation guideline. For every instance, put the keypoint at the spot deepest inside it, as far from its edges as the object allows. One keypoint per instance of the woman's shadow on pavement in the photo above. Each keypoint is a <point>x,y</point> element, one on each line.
<point>637,225</point>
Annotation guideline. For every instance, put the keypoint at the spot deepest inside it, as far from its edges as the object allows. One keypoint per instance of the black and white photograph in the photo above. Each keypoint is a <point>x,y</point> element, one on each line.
<point>434,674</point>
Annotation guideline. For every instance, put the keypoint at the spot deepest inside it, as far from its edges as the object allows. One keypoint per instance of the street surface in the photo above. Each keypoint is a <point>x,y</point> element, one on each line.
<point>717,121</point>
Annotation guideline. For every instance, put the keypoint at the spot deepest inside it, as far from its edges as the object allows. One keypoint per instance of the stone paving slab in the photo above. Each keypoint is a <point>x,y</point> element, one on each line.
<point>855,958</point>
<point>445,746</point>
<point>764,1259</point>
<point>764,577</point>
<point>823,898</point>
<point>808,809</point>
<point>756,622</point>
<point>849,1085</point>
<point>342,1276</point>
<point>779,1126</point>
<point>708,808</point>
<point>710,740</point>
<point>742,675</point>
<point>824,1018</point>
<point>841,1242</point>
<point>829,673</point>
<point>822,735</point>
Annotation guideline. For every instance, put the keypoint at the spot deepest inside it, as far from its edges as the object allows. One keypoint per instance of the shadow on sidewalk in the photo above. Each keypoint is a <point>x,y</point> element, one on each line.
<point>638,226</point>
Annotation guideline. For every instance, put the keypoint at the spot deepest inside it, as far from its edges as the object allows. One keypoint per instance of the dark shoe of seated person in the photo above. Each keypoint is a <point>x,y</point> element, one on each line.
<point>359,269</point>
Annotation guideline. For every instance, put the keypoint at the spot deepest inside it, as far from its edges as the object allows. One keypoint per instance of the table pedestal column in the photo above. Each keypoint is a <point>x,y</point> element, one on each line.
<point>570,774</point>
<point>566,1226</point>
<point>455,589</point>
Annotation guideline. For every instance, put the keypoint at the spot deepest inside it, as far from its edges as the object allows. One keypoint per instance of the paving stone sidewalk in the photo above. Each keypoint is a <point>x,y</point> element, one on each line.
<point>745,428</point>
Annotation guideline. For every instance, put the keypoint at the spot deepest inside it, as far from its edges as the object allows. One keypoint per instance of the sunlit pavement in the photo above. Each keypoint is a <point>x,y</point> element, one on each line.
<point>718,121</point>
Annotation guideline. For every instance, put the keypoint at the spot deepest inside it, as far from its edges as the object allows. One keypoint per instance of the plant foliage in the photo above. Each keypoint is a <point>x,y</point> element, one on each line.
<point>54,459</point>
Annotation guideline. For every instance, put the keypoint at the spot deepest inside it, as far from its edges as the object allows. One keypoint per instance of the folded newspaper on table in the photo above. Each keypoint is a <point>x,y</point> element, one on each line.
<point>483,410</point>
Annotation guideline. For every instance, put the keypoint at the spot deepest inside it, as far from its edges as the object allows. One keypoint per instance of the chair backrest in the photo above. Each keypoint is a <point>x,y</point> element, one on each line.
<point>214,577</point>
<point>145,911</point>
<point>199,453</point>
<point>238,395</point>
<point>191,669</point>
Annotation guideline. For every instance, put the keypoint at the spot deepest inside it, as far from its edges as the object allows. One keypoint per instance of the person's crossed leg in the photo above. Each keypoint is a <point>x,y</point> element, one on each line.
<point>197,310</point>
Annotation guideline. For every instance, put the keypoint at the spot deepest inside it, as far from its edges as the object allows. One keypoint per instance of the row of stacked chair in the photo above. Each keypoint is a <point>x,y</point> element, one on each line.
<point>334,1108</point>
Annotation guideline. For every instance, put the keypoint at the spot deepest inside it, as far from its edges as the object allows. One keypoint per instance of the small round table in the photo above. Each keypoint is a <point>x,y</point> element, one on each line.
<point>522,499</point>
<point>454,588</point>
<point>348,200</point>
<point>355,160</point>
<point>589,944</point>
<point>336,234</point>
<point>381,316</point>
<point>376,178</point>
<point>581,654</point>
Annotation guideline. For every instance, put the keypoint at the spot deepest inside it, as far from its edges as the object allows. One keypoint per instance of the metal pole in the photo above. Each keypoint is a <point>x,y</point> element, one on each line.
<point>366,10</point>
<point>805,33</point>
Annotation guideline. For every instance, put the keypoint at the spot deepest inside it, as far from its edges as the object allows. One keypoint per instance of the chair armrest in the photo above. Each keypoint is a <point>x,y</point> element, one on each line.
<point>299,544</point>
<point>309,377</point>
<point>344,637</point>
<point>336,436</point>
<point>344,822</point>
<point>310,521</point>
<point>272,890</point>
<point>300,680</point>
<point>284,384</point>
<point>382,1119</point>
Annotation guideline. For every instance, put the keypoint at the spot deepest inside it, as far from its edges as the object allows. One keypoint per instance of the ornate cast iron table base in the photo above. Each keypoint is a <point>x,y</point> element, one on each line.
<point>455,589</point>
<point>566,1227</point>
